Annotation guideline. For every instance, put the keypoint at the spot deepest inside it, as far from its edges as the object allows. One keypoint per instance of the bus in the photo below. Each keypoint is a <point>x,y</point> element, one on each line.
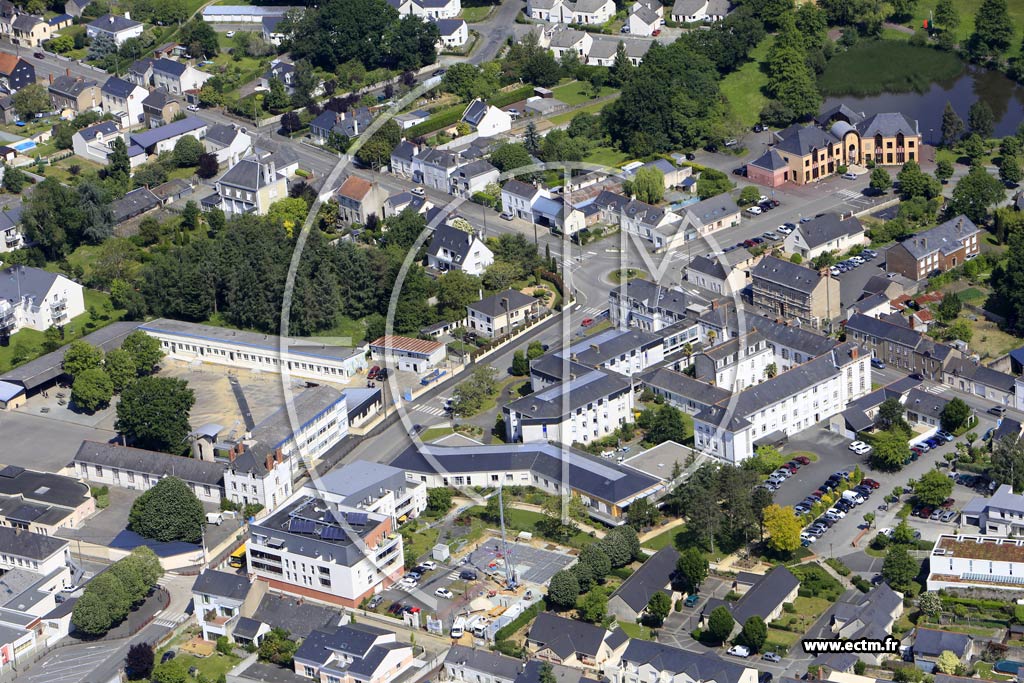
<point>237,559</point>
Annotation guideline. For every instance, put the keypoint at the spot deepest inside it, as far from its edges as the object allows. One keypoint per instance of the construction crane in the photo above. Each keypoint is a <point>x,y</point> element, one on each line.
<point>510,574</point>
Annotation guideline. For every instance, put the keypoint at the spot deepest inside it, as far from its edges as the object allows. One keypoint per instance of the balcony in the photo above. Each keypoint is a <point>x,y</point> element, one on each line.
<point>12,240</point>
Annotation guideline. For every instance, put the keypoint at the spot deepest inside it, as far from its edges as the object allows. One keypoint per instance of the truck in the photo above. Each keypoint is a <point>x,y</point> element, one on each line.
<point>433,377</point>
<point>458,628</point>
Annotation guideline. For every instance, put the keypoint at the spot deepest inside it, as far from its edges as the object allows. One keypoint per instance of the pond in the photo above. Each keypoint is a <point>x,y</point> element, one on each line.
<point>1004,96</point>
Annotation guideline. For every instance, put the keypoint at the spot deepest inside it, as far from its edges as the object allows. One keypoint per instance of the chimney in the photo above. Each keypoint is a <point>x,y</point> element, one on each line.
<point>278,456</point>
<point>854,352</point>
<point>127,15</point>
<point>714,305</point>
<point>231,455</point>
<point>270,462</point>
<point>110,19</point>
<point>51,79</point>
<point>67,71</point>
<point>596,347</point>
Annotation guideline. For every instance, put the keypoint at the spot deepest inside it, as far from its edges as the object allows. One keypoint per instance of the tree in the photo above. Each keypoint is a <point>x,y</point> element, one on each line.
<point>947,663</point>
<point>208,165</point>
<point>520,366</point>
<point>92,389</point>
<point>981,119</point>
<point>642,514</point>
<point>754,633</point>
<point>376,151</point>
<point>749,195</point>
<point>172,671</point>
<point>168,511</point>
<point>510,155</point>
<point>899,568</point>
<point>720,624</point>
<point>542,69</point>
<point>91,615</point>
<point>890,413</point>
<point>187,151</point>
<point>1009,170</point>
<point>946,16</point>
<point>563,590</point>
<point>627,543</point>
<point>944,170</point>
<point>455,290</point>
<point>439,499</point>
<point>930,604</point>
<point>881,181</point>
<point>200,38</point>
<point>648,185</point>
<point>993,29</point>
<point>783,528</point>
<point>534,350</point>
<point>933,488</point>
<point>692,568</point>
<point>593,608</point>
<point>145,351</point>
<point>949,308</point>
<point>712,182</point>
<point>595,557</point>
<point>120,367</point>
<point>138,664</point>
<point>903,534</point>
<point>31,100</point>
<point>667,426</point>
<point>952,126</point>
<point>153,413</point>
<point>81,356</point>
<point>890,450</point>
<point>955,414</point>
<point>974,194</point>
<point>790,78</point>
<point>278,647</point>
<point>658,608</point>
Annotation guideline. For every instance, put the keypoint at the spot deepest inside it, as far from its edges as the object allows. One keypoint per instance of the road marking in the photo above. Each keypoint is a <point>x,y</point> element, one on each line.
<point>934,389</point>
<point>848,194</point>
<point>429,410</point>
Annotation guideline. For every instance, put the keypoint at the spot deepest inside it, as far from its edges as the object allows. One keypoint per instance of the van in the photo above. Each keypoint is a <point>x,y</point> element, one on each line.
<point>480,628</point>
<point>853,497</point>
<point>458,628</point>
<point>214,518</point>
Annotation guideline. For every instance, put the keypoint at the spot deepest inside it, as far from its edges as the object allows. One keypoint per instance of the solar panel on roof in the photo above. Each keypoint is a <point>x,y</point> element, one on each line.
<point>331,533</point>
<point>301,526</point>
<point>357,518</point>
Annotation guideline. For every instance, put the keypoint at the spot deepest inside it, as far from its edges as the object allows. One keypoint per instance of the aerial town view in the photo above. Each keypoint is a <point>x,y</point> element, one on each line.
<point>511,341</point>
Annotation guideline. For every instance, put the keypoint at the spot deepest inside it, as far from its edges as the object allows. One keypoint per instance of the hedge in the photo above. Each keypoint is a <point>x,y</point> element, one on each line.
<point>443,119</point>
<point>503,99</point>
<point>507,631</point>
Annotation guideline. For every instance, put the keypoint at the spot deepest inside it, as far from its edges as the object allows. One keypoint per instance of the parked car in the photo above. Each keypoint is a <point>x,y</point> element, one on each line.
<point>837,511</point>
<point>372,374</point>
<point>948,516</point>
<point>739,651</point>
<point>802,459</point>
<point>997,410</point>
<point>926,512</point>
<point>418,191</point>
<point>429,565</point>
<point>506,216</point>
<point>444,593</point>
<point>587,322</point>
<point>375,601</point>
<point>849,176</point>
<point>468,575</point>
<point>945,435</point>
<point>168,656</point>
<point>771,657</point>
<point>872,483</point>
<point>691,600</point>
<point>754,210</point>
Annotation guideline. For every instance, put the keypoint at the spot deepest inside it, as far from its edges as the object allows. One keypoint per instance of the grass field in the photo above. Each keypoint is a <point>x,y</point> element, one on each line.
<point>594,108</point>
<point>419,541</point>
<point>607,156</point>
<point>635,630</point>
<point>742,88</point>
<point>878,66</point>
<point>473,15</point>
<point>578,92</point>
<point>526,520</point>
<point>346,328</point>
<point>967,9</point>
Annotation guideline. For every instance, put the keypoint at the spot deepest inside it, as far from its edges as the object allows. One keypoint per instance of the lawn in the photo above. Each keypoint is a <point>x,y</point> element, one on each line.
<point>617,276</point>
<point>967,10</point>
<point>419,539</point>
<point>579,92</point>
<point>29,343</point>
<point>211,668</point>
<point>989,341</point>
<point>473,15</point>
<point>635,630</point>
<point>435,433</point>
<point>593,108</point>
<point>526,520</point>
<point>346,329</point>
<point>607,156</point>
<point>742,88</point>
<point>683,537</point>
<point>877,66</point>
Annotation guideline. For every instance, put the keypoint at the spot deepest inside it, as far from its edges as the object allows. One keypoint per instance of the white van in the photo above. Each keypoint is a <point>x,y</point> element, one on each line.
<point>853,497</point>
<point>458,628</point>
<point>480,628</point>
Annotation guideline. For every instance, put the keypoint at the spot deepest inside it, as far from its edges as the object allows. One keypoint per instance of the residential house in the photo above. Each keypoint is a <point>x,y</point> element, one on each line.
<point>692,11</point>
<point>499,314</point>
<point>517,198</point>
<point>141,72</point>
<point>76,7</point>
<point>15,73</point>
<point>901,346</point>
<point>135,203</point>
<point>280,71</point>
<point>929,644</point>
<point>923,408</point>
<point>28,30</point>
<point>793,292</point>
<point>37,299</point>
<point>1002,514</point>
<point>244,14</point>
<point>8,115</point>
<point>353,653</point>
<point>471,665</point>
<point>645,661</point>
<point>604,48</point>
<point>454,33</point>
<point>868,616</point>
<point>408,354</point>
<point>159,108</point>
<point>271,33</point>
<point>228,143</point>
<point>399,202</point>
<point>717,273</point>
<point>11,237</point>
<point>643,20</point>
<point>137,469</point>
<point>164,138</point>
<point>569,642</point>
<point>74,93</point>
<point>570,12</point>
<point>402,158</point>
<point>95,142</point>
<point>409,119</point>
<point>250,186</point>
<point>578,409</point>
<point>434,168</point>
<point>358,199</point>
<point>114,28</point>
<point>42,555</point>
<point>765,598</point>
<point>629,601</point>
<point>432,10</point>
<point>715,213</point>
<point>217,598</point>
<point>177,78</point>
<point>124,100</point>
<point>871,305</point>
<point>454,249</point>
<point>653,307</point>
<point>42,502</point>
<point>945,246</point>
<point>487,120</point>
<point>346,554</point>
<point>473,177</point>
<point>829,232</point>
<point>607,489</point>
<point>349,124</point>
<point>570,40</point>
<point>173,191</point>
<point>971,377</point>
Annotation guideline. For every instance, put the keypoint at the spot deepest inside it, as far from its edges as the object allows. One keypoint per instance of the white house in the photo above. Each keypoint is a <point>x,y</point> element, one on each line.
<point>569,12</point>
<point>44,555</point>
<point>11,237</point>
<point>408,353</point>
<point>428,9</point>
<point>95,142</point>
<point>645,661</point>
<point>454,249</point>
<point>517,198</point>
<point>140,470</point>
<point>499,314</point>
<point>163,139</point>
<point>178,77</point>
<point>114,27</point>
<point>217,598</point>
<point>691,11</point>
<point>645,18</point>
<point>228,142</point>
<point>454,33</point>
<point>717,273</point>
<point>487,120</point>
<point>829,232</point>
<point>359,652</point>
<point>434,168</point>
<point>473,177</point>
<point>37,299</point>
<point>123,100</point>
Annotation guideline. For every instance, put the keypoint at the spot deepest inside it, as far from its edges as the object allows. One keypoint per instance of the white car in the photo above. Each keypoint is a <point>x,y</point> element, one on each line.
<point>854,445</point>
<point>807,536</point>
<point>444,593</point>
<point>418,191</point>
<point>193,107</point>
<point>739,651</point>
<point>230,34</point>
<point>835,511</point>
<point>429,564</point>
<point>885,532</point>
<point>754,210</point>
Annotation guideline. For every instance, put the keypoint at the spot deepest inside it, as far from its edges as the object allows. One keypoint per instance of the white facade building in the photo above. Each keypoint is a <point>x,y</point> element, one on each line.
<point>136,469</point>
<point>982,562</point>
<point>37,299</point>
<point>408,353</point>
<point>374,488</point>
<point>452,248</point>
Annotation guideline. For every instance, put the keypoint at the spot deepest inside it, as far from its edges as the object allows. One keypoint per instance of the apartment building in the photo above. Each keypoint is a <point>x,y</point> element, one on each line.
<point>945,246</point>
<point>653,307</point>
<point>311,548</point>
<point>353,653</point>
<point>37,299</point>
<point>793,292</point>
<point>15,72</point>
<point>42,502</point>
<point>983,562</point>
<point>645,661</point>
<point>250,186</point>
<point>623,351</point>
<point>901,346</point>
<point>736,363</point>
<point>218,599</point>
<point>579,409</point>
<point>372,487</point>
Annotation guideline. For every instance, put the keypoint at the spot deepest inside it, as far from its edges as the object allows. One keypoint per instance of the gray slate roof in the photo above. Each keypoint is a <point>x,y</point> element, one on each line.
<point>113,23</point>
<point>714,208</point>
<point>887,125</point>
<point>654,575</point>
<point>770,160</point>
<point>18,282</point>
<point>150,462</point>
<point>787,274</point>
<point>828,227</point>
<point>221,585</point>
<point>801,140</point>
<point>475,112</point>
<point>118,87</point>
<point>28,544</point>
<point>493,663</point>
<point>932,643</point>
<point>705,667</point>
<point>946,236</point>
<point>299,618</point>
<point>453,239</point>
<point>71,86</point>
<point>766,595</point>
<point>551,404</point>
<point>566,637</point>
<point>494,305</point>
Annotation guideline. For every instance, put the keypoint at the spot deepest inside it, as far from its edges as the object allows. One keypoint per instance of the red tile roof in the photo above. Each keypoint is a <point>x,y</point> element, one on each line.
<point>409,344</point>
<point>355,188</point>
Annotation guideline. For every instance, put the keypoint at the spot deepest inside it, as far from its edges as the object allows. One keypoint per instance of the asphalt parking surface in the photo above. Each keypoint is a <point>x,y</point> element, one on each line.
<point>532,565</point>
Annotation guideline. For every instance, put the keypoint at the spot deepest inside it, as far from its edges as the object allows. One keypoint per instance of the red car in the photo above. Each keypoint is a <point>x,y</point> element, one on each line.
<point>803,460</point>
<point>587,322</point>
<point>656,32</point>
<point>926,512</point>
<point>948,503</point>
<point>872,483</point>
<point>372,374</point>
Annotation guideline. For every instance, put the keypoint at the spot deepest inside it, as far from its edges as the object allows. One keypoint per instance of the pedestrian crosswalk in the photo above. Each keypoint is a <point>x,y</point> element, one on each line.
<point>935,389</point>
<point>453,575</point>
<point>590,311</point>
<point>848,194</point>
<point>165,622</point>
<point>429,409</point>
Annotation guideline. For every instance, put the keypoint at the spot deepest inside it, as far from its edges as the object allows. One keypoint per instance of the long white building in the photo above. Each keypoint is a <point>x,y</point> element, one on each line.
<point>983,562</point>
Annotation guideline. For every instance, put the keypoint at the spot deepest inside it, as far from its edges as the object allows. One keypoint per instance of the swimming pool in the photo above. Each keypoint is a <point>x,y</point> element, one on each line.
<point>24,145</point>
<point>1008,666</point>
